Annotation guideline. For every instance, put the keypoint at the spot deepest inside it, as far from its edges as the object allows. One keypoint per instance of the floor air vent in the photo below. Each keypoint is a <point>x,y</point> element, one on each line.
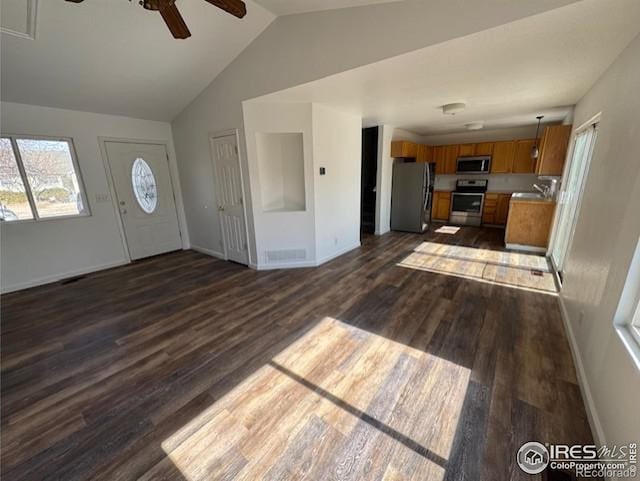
<point>288,255</point>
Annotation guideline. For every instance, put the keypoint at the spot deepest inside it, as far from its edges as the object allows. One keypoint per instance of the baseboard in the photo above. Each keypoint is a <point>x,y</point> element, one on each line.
<point>341,252</point>
<point>209,252</point>
<point>283,265</point>
<point>524,248</point>
<point>59,277</point>
<point>592,414</point>
<point>300,265</point>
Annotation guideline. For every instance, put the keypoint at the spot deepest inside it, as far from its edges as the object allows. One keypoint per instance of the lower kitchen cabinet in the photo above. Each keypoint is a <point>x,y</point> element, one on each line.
<point>529,224</point>
<point>496,209</point>
<point>441,205</point>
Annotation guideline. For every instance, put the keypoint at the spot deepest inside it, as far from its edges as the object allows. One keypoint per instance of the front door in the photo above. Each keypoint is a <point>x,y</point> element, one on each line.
<point>228,186</point>
<point>145,198</point>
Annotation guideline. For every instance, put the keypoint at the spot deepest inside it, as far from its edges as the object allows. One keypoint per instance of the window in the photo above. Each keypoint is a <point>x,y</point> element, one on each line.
<point>39,179</point>
<point>635,323</point>
<point>627,316</point>
<point>144,186</point>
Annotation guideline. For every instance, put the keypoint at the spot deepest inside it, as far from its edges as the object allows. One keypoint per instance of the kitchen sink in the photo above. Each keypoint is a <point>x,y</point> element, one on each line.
<point>529,196</point>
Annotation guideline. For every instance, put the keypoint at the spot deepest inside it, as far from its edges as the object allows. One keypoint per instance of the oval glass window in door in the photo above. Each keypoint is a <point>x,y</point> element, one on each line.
<point>144,186</point>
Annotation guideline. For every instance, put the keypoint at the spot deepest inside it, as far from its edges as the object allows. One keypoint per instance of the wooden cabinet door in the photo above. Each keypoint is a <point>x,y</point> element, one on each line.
<point>404,149</point>
<point>503,155</point>
<point>441,205</point>
<point>485,148</point>
<point>425,153</point>
<point>467,150</point>
<point>530,223</point>
<point>451,153</point>
<point>490,208</point>
<point>438,158</point>
<point>522,162</point>
<point>553,150</point>
<point>502,210</point>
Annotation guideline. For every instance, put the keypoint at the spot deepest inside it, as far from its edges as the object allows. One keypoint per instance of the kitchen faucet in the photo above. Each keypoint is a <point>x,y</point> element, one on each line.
<point>543,189</point>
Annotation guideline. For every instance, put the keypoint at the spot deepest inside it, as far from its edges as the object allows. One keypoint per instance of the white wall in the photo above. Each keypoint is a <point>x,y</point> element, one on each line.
<point>386,135</point>
<point>337,146</point>
<point>38,252</point>
<point>325,43</point>
<point>607,231</point>
<point>281,231</point>
<point>281,165</point>
<point>330,223</point>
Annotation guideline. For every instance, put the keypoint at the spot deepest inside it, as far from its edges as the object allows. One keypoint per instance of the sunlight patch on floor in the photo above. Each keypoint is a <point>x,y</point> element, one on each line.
<point>448,229</point>
<point>336,389</point>
<point>509,269</point>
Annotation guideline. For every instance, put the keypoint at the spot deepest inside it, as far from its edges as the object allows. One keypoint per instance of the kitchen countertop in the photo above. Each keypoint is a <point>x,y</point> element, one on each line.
<point>495,191</point>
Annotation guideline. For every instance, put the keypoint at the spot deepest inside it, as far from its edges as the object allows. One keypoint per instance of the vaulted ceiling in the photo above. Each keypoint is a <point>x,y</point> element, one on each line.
<point>288,7</point>
<point>542,64</point>
<point>115,57</point>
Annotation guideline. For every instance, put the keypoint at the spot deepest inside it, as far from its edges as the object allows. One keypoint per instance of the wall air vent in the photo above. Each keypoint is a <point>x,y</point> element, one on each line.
<point>288,255</point>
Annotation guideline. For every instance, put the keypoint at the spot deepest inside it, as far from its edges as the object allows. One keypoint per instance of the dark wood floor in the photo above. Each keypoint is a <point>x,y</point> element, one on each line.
<point>185,367</point>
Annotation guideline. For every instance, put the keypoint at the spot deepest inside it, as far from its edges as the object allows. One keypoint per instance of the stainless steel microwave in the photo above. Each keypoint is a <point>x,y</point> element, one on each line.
<point>473,165</point>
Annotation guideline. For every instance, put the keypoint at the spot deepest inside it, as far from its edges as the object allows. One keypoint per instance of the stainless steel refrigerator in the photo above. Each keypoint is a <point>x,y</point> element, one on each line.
<point>411,196</point>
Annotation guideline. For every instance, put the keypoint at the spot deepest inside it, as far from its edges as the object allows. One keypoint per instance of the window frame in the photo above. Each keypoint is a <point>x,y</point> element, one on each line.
<point>627,316</point>
<point>13,139</point>
<point>634,323</point>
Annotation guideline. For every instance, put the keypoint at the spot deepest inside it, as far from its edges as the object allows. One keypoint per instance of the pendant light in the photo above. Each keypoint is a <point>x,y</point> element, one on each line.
<point>535,151</point>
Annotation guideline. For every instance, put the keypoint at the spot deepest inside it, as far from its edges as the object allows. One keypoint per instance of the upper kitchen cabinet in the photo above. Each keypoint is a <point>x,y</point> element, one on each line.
<point>451,153</point>
<point>425,153</point>
<point>522,162</point>
<point>503,156</point>
<point>553,150</point>
<point>438,158</point>
<point>467,150</point>
<point>404,149</point>
<point>485,148</point>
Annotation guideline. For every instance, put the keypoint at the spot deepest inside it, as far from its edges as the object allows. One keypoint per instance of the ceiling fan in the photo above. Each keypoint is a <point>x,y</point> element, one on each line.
<point>174,20</point>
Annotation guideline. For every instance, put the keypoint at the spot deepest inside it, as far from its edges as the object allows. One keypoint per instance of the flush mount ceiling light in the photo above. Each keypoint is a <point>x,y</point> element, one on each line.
<point>535,151</point>
<point>474,126</point>
<point>452,109</point>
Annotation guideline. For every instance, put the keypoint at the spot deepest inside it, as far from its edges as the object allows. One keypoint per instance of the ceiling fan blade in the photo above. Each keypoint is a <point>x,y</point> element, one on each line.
<point>175,22</point>
<point>234,7</point>
<point>75,1</point>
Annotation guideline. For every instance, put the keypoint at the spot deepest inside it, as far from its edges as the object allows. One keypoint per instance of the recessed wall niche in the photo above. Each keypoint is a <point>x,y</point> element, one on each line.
<point>281,166</point>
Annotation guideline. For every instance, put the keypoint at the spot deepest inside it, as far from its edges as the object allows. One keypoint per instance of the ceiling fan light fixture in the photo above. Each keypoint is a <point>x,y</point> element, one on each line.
<point>156,5</point>
<point>454,108</point>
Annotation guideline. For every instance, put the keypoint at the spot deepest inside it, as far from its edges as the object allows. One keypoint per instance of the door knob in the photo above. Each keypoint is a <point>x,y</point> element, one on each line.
<point>122,202</point>
<point>220,208</point>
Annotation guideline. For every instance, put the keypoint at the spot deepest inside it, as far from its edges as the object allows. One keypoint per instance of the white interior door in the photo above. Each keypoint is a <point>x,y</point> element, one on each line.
<point>145,197</point>
<point>228,185</point>
<point>571,194</point>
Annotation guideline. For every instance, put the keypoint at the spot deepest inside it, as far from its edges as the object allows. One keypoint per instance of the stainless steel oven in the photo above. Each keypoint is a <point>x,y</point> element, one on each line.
<point>474,165</point>
<point>467,202</point>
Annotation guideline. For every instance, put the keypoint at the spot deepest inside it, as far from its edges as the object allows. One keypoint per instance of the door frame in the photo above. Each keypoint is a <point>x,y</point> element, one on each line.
<point>228,133</point>
<point>102,141</point>
<point>596,119</point>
